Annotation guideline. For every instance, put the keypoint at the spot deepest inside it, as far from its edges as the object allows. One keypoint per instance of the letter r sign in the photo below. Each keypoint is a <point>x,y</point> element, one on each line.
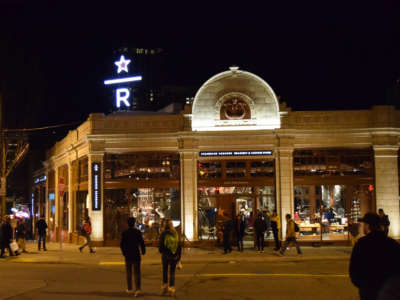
<point>122,95</point>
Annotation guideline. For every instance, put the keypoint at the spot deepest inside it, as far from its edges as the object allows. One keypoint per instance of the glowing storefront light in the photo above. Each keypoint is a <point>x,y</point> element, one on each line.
<point>122,80</point>
<point>122,64</point>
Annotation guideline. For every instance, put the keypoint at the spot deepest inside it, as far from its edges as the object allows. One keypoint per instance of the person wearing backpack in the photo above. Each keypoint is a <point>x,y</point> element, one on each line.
<point>291,229</point>
<point>130,242</point>
<point>170,249</point>
<point>86,232</point>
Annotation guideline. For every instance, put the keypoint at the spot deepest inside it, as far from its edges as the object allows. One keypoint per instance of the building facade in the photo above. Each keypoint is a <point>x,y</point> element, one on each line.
<point>235,149</point>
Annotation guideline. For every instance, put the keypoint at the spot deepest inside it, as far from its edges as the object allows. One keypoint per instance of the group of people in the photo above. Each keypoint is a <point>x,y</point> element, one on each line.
<point>13,239</point>
<point>262,223</point>
<point>132,247</point>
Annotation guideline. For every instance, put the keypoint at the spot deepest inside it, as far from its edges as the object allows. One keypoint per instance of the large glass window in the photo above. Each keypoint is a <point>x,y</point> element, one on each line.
<point>150,206</point>
<point>216,204</point>
<point>142,166</point>
<point>323,211</point>
<point>209,169</point>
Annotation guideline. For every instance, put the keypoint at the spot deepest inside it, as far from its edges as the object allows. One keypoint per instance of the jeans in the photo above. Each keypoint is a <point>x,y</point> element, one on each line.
<point>171,263</point>
<point>136,270</point>
<point>260,241</point>
<point>87,243</point>
<point>288,241</point>
<point>276,238</point>
<point>4,246</point>
<point>240,242</point>
<point>42,237</point>
<point>227,243</point>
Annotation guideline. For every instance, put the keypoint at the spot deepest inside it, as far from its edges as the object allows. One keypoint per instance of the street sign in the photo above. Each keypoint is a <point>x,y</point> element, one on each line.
<point>61,187</point>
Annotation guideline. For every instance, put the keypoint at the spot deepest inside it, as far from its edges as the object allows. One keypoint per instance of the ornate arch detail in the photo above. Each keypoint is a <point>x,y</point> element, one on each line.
<point>234,106</point>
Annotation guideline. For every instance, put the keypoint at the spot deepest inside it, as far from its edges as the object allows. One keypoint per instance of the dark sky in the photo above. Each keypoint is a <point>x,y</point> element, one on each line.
<point>54,58</point>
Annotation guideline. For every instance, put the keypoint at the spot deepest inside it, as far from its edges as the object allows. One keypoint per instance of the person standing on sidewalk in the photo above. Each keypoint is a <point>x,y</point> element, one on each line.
<point>240,227</point>
<point>6,237</point>
<point>171,251</point>
<point>87,231</point>
<point>226,230</point>
<point>21,235</point>
<point>130,242</point>
<point>275,225</point>
<point>260,226</point>
<point>375,259</point>
<point>384,221</point>
<point>290,235</point>
<point>41,227</point>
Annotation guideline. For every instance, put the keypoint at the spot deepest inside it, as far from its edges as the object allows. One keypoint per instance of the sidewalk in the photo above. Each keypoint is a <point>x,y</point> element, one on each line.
<point>112,255</point>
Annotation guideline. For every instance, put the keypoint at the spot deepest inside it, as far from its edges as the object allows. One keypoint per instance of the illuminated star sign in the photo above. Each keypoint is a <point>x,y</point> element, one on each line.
<point>122,64</point>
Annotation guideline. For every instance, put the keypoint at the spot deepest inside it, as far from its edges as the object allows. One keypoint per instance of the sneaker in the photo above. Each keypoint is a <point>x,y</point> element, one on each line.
<point>164,289</point>
<point>130,292</point>
<point>171,291</point>
<point>138,293</point>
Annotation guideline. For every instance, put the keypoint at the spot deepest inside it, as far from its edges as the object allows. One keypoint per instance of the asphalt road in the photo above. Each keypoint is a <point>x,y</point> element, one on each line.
<point>280,279</point>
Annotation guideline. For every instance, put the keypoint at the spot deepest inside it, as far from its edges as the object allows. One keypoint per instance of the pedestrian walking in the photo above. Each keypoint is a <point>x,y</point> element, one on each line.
<point>171,250</point>
<point>275,226</point>
<point>226,231</point>
<point>384,221</point>
<point>86,232</point>
<point>260,226</point>
<point>291,229</point>
<point>6,238</point>
<point>21,235</point>
<point>41,227</point>
<point>240,227</point>
<point>131,241</point>
<point>375,259</point>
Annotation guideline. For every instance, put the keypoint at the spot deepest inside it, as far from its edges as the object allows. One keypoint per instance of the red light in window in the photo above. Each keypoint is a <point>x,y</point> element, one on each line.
<point>370,188</point>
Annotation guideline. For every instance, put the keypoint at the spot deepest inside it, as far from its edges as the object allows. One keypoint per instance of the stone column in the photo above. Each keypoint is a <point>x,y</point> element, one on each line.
<point>70,200</point>
<point>57,200</point>
<point>96,216</point>
<point>189,194</point>
<point>284,184</point>
<point>47,201</point>
<point>387,184</point>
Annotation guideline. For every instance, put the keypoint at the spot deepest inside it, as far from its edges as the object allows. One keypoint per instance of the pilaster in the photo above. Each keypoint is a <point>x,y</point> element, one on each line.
<point>96,215</point>
<point>387,184</point>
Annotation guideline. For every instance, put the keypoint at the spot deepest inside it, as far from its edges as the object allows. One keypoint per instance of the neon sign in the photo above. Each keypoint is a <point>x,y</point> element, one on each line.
<point>96,186</point>
<point>235,153</point>
<point>122,91</point>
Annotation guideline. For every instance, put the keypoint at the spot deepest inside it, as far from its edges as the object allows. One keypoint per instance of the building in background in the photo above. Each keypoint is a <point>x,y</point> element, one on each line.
<point>233,149</point>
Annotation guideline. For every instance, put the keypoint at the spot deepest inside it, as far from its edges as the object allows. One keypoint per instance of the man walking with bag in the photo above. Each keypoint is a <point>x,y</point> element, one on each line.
<point>291,229</point>
<point>130,242</point>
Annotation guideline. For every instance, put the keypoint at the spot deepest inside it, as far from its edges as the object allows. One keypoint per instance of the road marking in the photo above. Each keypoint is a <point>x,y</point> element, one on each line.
<point>271,275</point>
<point>111,263</point>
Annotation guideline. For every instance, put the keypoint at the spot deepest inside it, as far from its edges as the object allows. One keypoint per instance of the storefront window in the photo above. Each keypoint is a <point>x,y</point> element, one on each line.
<point>323,212</point>
<point>142,166</point>
<point>262,168</point>
<point>216,204</point>
<point>210,169</point>
<point>81,209</point>
<point>235,169</point>
<point>150,206</point>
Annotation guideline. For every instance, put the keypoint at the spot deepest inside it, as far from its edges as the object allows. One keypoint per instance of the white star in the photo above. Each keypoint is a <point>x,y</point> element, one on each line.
<point>122,64</point>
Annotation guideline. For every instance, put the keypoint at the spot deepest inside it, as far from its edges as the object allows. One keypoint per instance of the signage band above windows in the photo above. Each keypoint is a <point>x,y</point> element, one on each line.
<point>235,153</point>
<point>96,186</point>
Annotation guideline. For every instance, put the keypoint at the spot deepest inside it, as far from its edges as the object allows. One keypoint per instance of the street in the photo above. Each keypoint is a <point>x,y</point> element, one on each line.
<point>321,273</point>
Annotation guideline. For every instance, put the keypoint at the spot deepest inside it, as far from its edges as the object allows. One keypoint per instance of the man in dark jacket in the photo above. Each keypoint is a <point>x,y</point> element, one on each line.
<point>41,227</point>
<point>375,259</point>
<point>240,227</point>
<point>260,226</point>
<point>130,242</point>
<point>6,237</point>
<point>227,228</point>
<point>384,221</point>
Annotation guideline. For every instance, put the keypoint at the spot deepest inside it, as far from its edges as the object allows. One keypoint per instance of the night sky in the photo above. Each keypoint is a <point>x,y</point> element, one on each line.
<point>54,58</point>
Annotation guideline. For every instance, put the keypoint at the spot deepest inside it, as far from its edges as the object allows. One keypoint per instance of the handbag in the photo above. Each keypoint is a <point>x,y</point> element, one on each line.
<point>14,246</point>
